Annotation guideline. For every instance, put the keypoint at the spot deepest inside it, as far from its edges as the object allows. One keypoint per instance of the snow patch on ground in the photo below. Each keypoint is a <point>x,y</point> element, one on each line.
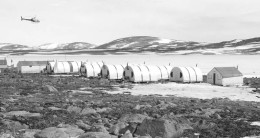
<point>199,90</point>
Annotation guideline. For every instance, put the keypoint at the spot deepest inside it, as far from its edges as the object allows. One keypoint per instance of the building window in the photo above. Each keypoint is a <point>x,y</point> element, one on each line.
<point>132,74</point>
<point>171,74</point>
<point>124,73</point>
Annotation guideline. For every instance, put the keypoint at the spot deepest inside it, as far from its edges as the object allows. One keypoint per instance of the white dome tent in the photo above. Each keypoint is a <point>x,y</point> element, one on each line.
<point>63,67</point>
<point>90,69</point>
<point>186,74</point>
<point>114,72</point>
<point>146,73</point>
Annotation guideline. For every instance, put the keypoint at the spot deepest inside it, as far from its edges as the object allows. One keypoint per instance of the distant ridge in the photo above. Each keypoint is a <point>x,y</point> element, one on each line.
<point>141,44</point>
<point>67,46</point>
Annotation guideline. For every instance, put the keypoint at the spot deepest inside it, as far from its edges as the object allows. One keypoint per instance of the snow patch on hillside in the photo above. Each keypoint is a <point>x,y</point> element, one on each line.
<point>51,46</point>
<point>163,41</point>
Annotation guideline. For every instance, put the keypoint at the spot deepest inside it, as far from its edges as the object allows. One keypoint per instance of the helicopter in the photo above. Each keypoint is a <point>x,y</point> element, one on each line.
<point>31,19</point>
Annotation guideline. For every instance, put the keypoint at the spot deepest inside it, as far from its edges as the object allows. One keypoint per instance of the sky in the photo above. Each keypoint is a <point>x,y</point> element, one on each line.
<point>101,21</point>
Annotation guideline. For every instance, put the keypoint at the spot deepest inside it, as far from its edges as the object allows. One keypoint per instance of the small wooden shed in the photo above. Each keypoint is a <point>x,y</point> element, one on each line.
<point>31,66</point>
<point>3,64</point>
<point>225,76</point>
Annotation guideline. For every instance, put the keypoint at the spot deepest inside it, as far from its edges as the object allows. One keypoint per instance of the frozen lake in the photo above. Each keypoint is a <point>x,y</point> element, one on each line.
<point>247,64</point>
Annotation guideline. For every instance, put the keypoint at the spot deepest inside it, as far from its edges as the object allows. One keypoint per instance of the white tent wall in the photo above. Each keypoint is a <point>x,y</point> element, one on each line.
<point>67,67</point>
<point>76,66</point>
<point>180,74</point>
<point>192,74</point>
<point>133,73</point>
<point>59,67</point>
<point>112,71</point>
<point>90,69</point>
<point>145,73</point>
<point>97,68</point>
<point>165,72</point>
<point>154,73</point>
<point>50,66</point>
<point>120,70</point>
<point>199,74</point>
<point>186,74</point>
<point>32,69</point>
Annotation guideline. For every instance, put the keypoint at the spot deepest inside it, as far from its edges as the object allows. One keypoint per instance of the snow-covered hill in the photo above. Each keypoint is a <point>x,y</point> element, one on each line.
<point>9,46</point>
<point>139,44</point>
<point>66,46</point>
<point>158,45</point>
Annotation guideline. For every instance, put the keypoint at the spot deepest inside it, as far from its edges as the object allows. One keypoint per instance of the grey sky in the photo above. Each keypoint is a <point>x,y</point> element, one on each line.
<point>101,21</point>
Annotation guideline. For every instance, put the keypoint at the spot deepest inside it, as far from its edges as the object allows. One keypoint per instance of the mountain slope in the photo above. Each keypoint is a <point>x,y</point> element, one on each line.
<point>66,46</point>
<point>9,46</point>
<point>158,45</point>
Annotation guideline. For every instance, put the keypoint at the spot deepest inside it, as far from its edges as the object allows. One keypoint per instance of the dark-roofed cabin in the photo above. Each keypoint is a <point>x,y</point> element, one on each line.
<point>31,66</point>
<point>3,64</point>
<point>225,76</point>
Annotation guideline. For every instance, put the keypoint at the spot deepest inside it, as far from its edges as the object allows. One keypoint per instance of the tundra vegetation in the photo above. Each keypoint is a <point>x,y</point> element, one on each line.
<point>42,106</point>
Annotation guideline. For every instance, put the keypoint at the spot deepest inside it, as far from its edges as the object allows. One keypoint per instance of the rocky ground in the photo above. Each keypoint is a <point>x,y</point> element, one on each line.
<point>41,106</point>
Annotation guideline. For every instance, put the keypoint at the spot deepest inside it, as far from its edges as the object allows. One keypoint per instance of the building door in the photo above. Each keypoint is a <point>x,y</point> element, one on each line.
<point>214,78</point>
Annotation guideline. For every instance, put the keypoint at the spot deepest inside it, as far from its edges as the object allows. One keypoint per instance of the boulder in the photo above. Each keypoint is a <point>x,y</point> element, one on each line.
<point>86,111</point>
<point>115,129</point>
<point>6,135</point>
<point>99,128</point>
<point>51,132</point>
<point>13,125</point>
<point>134,118</point>
<point>51,88</point>
<point>127,134</point>
<point>95,135</point>
<point>22,113</point>
<point>82,125</point>
<point>29,133</point>
<point>72,131</point>
<point>54,108</point>
<point>103,110</point>
<point>161,128</point>
<point>74,109</point>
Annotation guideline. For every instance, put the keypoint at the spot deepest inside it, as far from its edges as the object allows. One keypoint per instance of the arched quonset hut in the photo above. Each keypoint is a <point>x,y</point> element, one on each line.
<point>145,73</point>
<point>90,69</point>
<point>186,74</point>
<point>63,67</point>
<point>31,66</point>
<point>112,71</point>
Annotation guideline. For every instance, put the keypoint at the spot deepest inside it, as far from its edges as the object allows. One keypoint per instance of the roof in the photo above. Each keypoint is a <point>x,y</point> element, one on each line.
<point>228,72</point>
<point>31,63</point>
